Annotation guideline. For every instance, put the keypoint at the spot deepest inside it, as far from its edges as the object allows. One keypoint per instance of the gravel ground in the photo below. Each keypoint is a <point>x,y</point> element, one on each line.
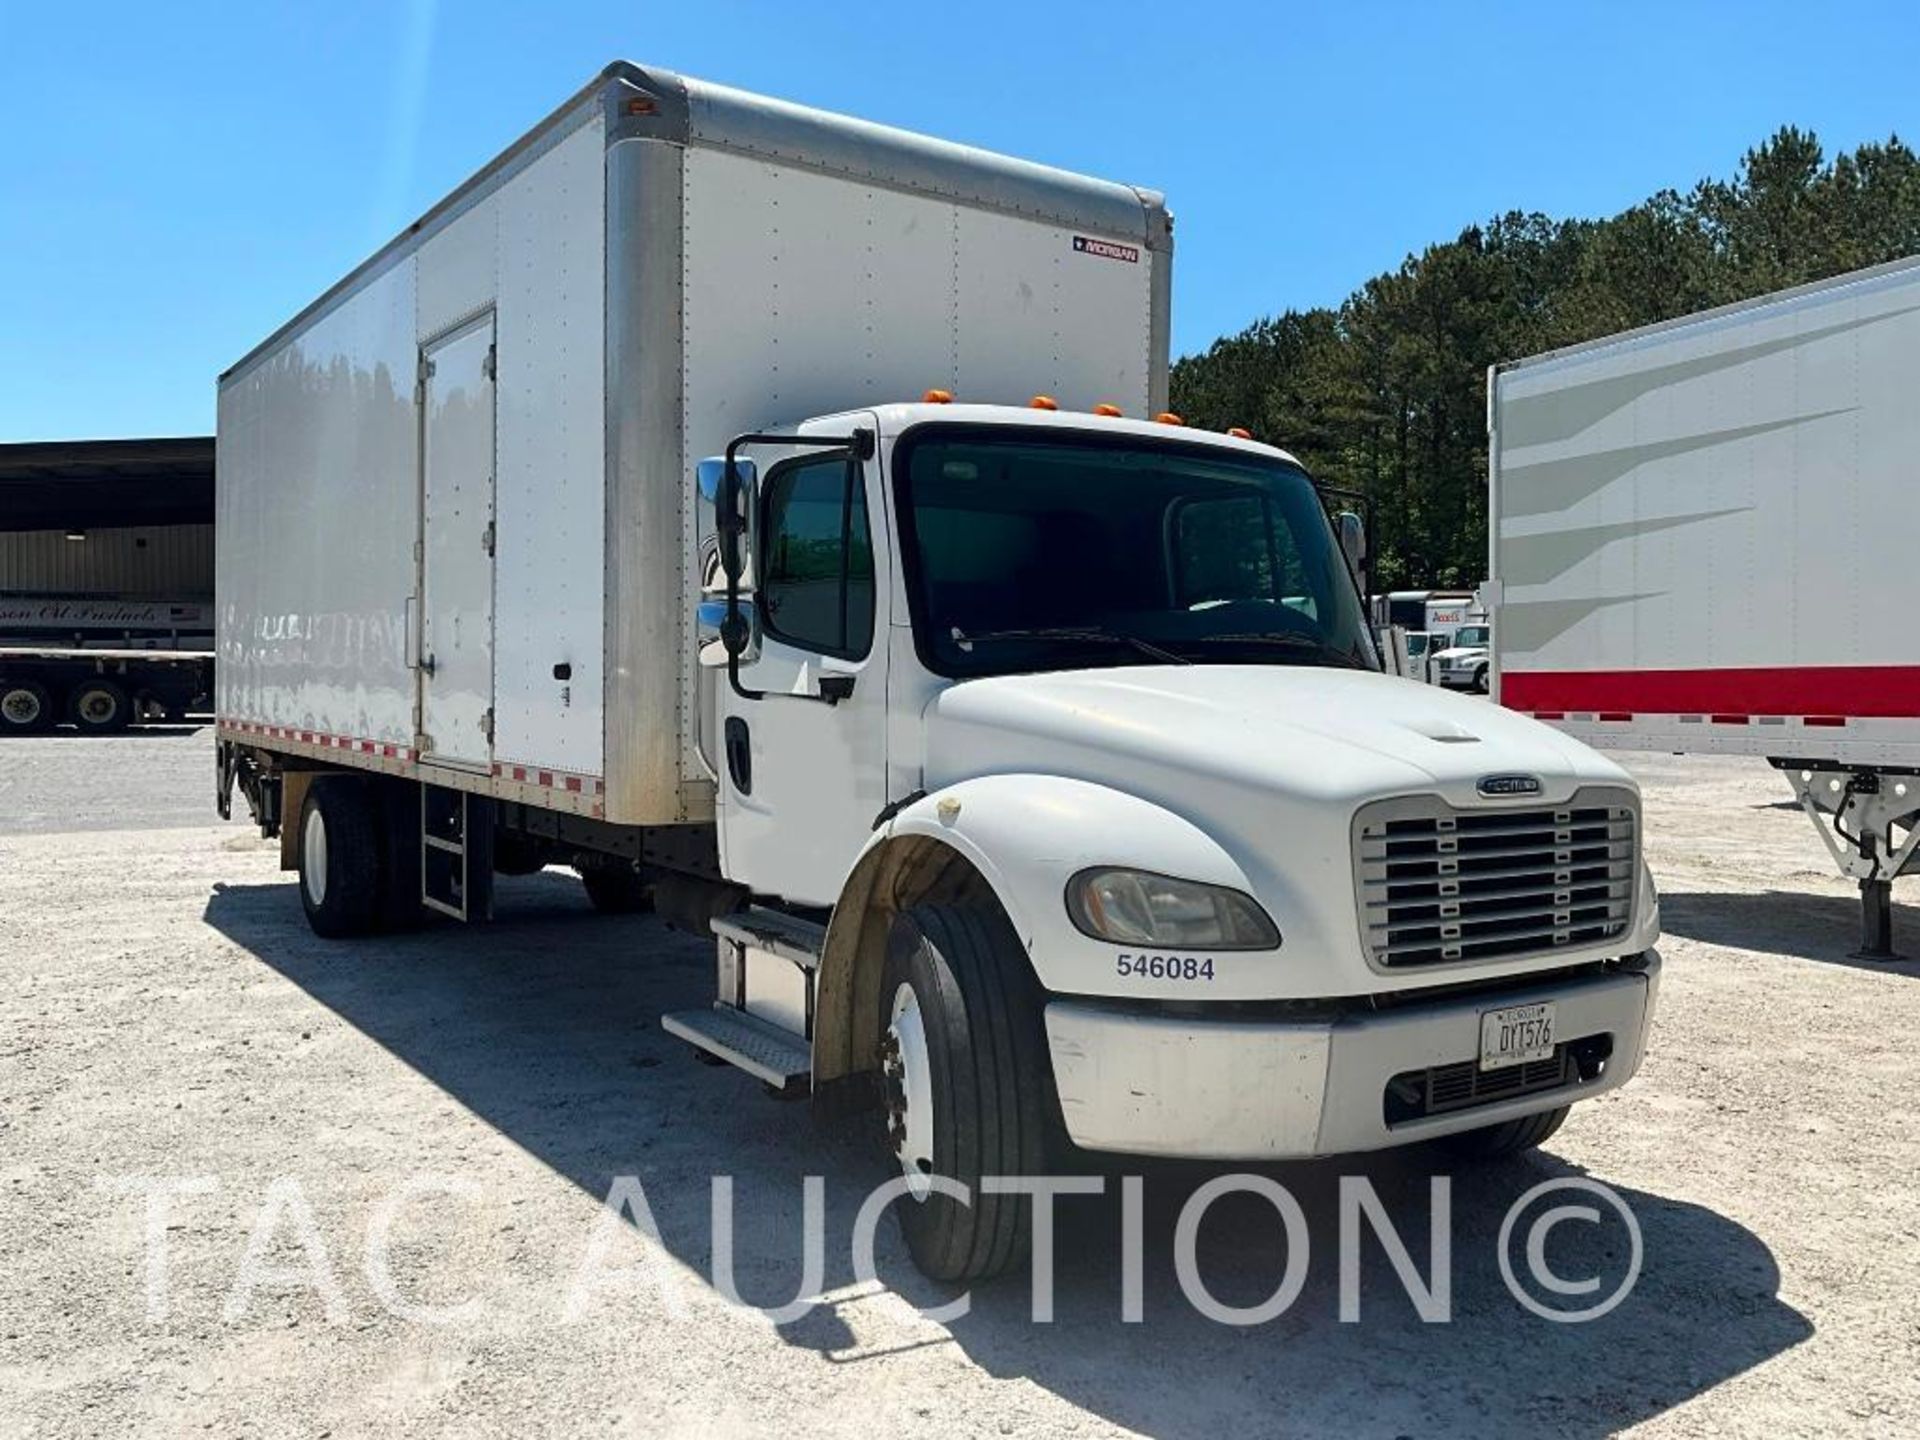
<point>165,1013</point>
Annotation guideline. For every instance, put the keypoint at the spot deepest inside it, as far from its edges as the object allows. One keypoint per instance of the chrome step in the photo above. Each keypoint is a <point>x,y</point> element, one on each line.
<point>800,941</point>
<point>777,1056</point>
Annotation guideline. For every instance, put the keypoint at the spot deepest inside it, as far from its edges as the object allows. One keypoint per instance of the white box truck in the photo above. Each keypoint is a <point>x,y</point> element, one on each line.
<point>1698,532</point>
<point>1029,760</point>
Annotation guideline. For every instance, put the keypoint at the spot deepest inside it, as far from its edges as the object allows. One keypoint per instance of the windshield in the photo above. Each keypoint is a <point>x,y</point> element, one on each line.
<point>1028,550</point>
<point>1471,636</point>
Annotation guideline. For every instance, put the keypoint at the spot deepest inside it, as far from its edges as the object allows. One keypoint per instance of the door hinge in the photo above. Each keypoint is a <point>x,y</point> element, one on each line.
<point>486,538</point>
<point>486,725</point>
<point>490,365</point>
<point>422,373</point>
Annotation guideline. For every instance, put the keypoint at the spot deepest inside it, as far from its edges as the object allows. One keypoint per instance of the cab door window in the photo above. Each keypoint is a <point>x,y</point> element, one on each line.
<point>816,585</point>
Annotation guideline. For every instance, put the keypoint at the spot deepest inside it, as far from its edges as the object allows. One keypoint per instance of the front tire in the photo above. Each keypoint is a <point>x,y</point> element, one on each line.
<point>1511,1137</point>
<point>25,707</point>
<point>340,854</point>
<point>1480,685</point>
<point>966,1084</point>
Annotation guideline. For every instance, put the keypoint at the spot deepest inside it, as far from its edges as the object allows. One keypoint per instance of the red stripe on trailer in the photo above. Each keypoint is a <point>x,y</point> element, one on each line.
<point>1828,720</point>
<point>1615,715</point>
<point>1732,719</point>
<point>1549,715</point>
<point>1854,691</point>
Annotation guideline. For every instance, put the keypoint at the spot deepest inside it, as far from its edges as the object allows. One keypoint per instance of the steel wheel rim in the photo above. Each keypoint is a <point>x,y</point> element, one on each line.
<point>21,707</point>
<point>909,1092</point>
<point>313,857</point>
<point>97,707</point>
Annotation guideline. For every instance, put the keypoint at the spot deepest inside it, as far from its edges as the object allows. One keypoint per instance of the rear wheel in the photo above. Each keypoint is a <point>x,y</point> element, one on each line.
<point>1497,1142</point>
<point>340,856</point>
<point>99,706</point>
<point>965,1080</point>
<point>25,707</point>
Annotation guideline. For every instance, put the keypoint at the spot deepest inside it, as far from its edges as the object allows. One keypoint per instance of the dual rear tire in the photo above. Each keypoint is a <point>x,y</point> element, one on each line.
<point>96,706</point>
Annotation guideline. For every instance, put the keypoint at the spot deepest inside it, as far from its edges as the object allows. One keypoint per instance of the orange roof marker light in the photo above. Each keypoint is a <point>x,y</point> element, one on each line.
<point>1240,432</point>
<point>1112,412</point>
<point>1043,402</point>
<point>937,397</point>
<point>1167,417</point>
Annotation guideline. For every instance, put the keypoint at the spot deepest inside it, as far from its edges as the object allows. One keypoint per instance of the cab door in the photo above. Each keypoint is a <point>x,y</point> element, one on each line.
<point>802,753</point>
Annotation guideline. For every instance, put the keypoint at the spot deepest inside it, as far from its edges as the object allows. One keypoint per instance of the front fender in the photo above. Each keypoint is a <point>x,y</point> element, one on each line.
<point>1027,835</point>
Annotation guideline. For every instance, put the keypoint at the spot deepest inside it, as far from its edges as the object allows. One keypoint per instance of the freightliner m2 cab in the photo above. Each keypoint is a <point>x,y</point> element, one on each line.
<point>1030,766</point>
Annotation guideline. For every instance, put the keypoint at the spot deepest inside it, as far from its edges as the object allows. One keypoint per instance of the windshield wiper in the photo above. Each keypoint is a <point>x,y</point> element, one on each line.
<point>1286,639</point>
<point>1072,632</point>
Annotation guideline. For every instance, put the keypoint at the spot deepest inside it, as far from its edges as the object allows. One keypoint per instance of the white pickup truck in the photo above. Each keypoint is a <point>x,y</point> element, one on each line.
<point>1030,762</point>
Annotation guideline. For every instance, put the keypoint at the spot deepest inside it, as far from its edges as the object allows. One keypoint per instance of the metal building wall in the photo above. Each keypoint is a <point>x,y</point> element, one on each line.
<point>172,562</point>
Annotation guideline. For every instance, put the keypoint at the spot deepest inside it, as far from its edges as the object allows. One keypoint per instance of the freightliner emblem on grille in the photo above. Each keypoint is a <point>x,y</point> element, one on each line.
<point>1509,785</point>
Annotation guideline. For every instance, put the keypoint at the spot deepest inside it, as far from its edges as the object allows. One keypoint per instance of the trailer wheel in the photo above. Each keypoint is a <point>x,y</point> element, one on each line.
<point>966,1084</point>
<point>25,707</point>
<point>340,856</point>
<point>99,706</point>
<point>1497,1142</point>
<point>617,889</point>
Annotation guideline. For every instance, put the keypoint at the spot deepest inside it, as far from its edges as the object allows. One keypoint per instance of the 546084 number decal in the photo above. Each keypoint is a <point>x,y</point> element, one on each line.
<point>1163,967</point>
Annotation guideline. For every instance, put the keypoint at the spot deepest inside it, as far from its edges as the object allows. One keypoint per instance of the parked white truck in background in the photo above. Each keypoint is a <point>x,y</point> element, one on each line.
<point>1462,664</point>
<point>1699,532</point>
<point>1030,761</point>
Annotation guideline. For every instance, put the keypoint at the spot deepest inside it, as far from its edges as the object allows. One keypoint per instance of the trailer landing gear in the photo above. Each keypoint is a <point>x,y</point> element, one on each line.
<point>1876,914</point>
<point>1870,819</point>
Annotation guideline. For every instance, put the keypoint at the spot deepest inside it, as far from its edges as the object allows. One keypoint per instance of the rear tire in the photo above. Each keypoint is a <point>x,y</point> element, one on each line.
<point>1511,1137</point>
<point>99,707</point>
<point>340,856</point>
<point>617,889</point>
<point>966,1083</point>
<point>25,707</point>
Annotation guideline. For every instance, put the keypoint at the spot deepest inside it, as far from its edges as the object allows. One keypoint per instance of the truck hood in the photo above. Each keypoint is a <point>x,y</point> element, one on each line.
<point>1461,652</point>
<point>1325,735</point>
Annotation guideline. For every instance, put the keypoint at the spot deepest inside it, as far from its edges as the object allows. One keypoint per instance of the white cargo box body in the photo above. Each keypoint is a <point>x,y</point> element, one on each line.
<point>454,531</point>
<point>1703,533</point>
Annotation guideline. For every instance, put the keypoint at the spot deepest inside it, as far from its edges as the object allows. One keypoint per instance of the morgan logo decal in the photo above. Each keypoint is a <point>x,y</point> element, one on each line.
<point>1498,785</point>
<point>1106,249</point>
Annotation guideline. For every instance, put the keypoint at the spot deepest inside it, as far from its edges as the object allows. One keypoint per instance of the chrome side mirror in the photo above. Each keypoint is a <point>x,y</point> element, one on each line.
<point>729,497</point>
<point>738,635</point>
<point>1353,540</point>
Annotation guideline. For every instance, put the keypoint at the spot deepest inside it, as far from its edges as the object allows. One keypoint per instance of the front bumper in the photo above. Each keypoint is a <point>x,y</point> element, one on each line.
<point>1238,1089</point>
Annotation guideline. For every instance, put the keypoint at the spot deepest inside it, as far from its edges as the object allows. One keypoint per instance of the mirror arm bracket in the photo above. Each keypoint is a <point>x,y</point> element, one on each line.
<point>860,446</point>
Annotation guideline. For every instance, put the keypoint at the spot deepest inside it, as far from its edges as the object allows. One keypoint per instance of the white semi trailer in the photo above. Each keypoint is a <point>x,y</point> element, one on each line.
<point>1030,761</point>
<point>1699,532</point>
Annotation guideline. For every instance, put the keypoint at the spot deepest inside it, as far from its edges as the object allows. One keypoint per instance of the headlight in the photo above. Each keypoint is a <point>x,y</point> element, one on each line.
<point>1137,907</point>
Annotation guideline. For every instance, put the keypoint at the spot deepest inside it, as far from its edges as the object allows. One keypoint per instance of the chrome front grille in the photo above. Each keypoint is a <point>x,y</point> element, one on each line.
<point>1440,886</point>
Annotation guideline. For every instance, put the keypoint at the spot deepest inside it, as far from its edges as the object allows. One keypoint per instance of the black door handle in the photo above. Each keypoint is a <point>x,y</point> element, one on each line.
<point>739,755</point>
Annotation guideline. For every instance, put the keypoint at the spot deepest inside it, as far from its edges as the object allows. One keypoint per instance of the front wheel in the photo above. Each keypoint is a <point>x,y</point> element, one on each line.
<point>966,1084</point>
<point>1511,1137</point>
<point>1480,685</point>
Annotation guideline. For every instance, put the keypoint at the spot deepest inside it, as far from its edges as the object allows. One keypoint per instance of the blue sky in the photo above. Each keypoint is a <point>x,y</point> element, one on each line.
<point>177,179</point>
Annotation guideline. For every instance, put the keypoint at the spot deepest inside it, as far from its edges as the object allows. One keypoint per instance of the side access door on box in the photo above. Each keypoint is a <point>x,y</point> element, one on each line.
<point>457,546</point>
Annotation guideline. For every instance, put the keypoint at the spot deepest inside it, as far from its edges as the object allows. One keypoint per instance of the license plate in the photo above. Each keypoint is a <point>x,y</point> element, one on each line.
<point>1516,1035</point>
